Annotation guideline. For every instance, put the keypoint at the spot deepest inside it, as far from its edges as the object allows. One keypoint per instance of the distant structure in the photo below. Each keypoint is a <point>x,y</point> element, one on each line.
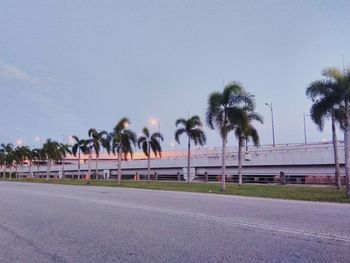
<point>292,163</point>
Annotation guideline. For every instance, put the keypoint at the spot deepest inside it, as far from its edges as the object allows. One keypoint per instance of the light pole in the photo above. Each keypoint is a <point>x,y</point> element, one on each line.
<point>19,142</point>
<point>304,115</point>
<point>155,122</point>
<point>39,141</point>
<point>272,124</point>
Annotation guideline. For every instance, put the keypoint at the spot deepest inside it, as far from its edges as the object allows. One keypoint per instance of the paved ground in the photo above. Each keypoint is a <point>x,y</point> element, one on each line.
<point>56,223</point>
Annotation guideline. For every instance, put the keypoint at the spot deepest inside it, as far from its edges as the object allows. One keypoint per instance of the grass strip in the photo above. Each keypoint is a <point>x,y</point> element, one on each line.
<point>291,192</point>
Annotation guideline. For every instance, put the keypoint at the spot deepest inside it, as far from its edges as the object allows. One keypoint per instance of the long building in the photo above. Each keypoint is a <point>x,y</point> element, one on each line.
<point>304,164</point>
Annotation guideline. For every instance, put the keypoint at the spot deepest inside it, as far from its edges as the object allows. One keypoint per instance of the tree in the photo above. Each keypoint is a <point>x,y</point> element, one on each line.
<point>30,158</point>
<point>123,141</point>
<point>37,155</point>
<point>21,154</point>
<point>150,142</point>
<point>3,162</point>
<point>192,127</point>
<point>78,147</point>
<point>52,153</point>
<point>245,131</point>
<point>96,139</point>
<point>223,112</point>
<point>64,149</point>
<point>9,156</point>
<point>341,98</point>
<point>325,106</point>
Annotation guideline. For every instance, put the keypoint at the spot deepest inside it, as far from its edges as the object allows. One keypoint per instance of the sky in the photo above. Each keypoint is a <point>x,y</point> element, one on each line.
<point>68,65</point>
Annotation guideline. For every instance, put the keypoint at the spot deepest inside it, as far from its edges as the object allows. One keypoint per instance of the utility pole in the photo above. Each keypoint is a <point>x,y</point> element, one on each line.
<point>272,124</point>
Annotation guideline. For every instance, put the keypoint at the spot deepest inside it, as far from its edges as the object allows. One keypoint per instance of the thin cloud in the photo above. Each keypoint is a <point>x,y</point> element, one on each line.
<point>11,72</point>
<point>43,92</point>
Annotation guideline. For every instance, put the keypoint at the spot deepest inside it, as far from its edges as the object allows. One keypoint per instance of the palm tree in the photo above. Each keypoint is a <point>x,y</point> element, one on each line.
<point>64,149</point>
<point>4,151</point>
<point>341,98</point>
<point>52,153</point>
<point>95,141</point>
<point>192,127</point>
<point>244,131</point>
<point>321,92</point>
<point>37,156</point>
<point>224,111</point>
<point>3,162</point>
<point>78,147</point>
<point>30,158</point>
<point>21,153</point>
<point>148,142</point>
<point>9,156</point>
<point>123,140</point>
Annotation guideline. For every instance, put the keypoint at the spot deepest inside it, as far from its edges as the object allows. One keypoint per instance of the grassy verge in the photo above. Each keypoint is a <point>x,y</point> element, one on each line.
<point>308,193</point>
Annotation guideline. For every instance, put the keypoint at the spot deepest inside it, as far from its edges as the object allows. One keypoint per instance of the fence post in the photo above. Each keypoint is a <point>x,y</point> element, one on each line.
<point>283,178</point>
<point>205,176</point>
<point>178,176</point>
<point>156,176</point>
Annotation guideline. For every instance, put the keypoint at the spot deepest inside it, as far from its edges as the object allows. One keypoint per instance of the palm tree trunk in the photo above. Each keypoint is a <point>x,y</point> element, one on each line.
<point>240,179</point>
<point>79,164</point>
<point>223,165</point>
<point>64,160</point>
<point>335,152</point>
<point>48,170</point>
<point>21,171</point>
<point>4,174</point>
<point>149,163</point>
<point>16,171</point>
<point>347,149</point>
<point>96,167</point>
<point>30,168</point>
<point>89,165</point>
<point>119,166</point>
<point>188,159</point>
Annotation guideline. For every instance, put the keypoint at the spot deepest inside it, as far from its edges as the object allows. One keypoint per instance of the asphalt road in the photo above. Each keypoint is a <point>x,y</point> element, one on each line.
<point>56,223</point>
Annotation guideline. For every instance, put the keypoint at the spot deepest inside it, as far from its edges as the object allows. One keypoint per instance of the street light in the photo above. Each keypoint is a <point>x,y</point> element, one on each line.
<point>38,140</point>
<point>272,124</point>
<point>70,140</point>
<point>304,115</point>
<point>155,122</point>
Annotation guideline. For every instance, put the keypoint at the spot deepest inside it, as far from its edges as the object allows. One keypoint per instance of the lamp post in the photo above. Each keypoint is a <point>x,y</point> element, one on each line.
<point>272,124</point>
<point>155,122</point>
<point>252,96</point>
<point>305,139</point>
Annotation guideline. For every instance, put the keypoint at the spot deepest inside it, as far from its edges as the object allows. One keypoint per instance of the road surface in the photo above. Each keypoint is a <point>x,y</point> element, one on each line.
<point>57,223</point>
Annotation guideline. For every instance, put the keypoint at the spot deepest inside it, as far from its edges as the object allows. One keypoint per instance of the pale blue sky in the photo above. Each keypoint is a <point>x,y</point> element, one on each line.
<point>67,66</point>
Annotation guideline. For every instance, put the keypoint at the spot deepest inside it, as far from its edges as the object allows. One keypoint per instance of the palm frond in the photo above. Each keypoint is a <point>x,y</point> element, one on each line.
<point>178,133</point>
<point>141,140</point>
<point>181,121</point>
<point>215,103</point>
